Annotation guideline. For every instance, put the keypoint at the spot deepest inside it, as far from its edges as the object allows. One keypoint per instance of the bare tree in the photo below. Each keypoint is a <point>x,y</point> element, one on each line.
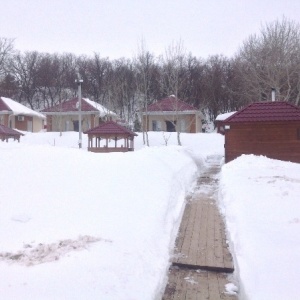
<point>6,49</point>
<point>272,60</point>
<point>174,76</point>
<point>144,77</point>
<point>24,67</point>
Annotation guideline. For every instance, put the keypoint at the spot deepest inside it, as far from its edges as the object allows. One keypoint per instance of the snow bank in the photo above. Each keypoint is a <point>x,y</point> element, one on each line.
<point>259,198</point>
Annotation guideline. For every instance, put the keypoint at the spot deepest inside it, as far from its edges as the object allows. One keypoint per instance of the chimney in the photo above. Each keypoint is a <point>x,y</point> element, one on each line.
<point>273,94</point>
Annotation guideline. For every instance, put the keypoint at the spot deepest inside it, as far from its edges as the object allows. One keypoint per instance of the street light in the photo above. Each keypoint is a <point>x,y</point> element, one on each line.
<point>79,81</point>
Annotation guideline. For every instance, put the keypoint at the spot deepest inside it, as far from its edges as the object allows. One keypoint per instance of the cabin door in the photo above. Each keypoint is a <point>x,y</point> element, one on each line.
<point>170,126</point>
<point>76,125</point>
<point>29,126</point>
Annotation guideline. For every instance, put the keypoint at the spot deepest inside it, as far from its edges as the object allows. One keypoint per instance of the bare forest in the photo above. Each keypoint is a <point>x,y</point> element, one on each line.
<point>218,84</point>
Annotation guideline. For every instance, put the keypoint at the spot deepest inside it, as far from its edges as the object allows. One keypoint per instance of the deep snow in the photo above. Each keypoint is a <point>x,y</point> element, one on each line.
<point>79,225</point>
<point>260,199</point>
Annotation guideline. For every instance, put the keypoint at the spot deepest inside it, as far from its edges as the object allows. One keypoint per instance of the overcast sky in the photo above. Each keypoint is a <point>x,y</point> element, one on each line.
<point>115,28</point>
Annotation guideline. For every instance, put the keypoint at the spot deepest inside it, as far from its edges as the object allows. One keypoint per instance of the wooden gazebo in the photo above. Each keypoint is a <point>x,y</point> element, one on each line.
<point>7,133</point>
<point>110,137</point>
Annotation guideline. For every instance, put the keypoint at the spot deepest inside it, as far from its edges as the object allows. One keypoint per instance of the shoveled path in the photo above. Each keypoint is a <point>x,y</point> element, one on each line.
<point>201,261</point>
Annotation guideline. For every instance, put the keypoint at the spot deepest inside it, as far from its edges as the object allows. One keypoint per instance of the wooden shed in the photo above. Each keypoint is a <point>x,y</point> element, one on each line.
<point>9,133</point>
<point>264,128</point>
<point>110,137</point>
<point>219,121</point>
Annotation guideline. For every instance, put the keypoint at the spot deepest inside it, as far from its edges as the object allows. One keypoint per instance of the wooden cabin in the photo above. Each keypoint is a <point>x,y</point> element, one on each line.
<point>271,129</point>
<point>65,116</point>
<point>110,137</point>
<point>18,116</point>
<point>171,114</point>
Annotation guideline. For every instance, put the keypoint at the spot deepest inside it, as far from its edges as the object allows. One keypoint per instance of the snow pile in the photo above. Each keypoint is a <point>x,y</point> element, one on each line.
<point>260,200</point>
<point>231,289</point>
<point>32,254</point>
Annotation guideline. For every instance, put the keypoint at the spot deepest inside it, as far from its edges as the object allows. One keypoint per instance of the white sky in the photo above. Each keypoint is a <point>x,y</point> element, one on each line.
<point>115,28</point>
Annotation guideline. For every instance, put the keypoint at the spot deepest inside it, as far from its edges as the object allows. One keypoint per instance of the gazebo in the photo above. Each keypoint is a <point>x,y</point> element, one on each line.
<point>6,133</point>
<point>110,137</point>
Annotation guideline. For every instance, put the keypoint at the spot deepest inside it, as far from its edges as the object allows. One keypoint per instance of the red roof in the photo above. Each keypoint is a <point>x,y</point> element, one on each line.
<point>9,131</point>
<point>170,103</point>
<point>276,111</point>
<point>110,127</point>
<point>70,105</point>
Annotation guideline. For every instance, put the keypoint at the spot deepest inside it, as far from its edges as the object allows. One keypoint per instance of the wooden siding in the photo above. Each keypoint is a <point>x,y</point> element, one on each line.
<point>274,140</point>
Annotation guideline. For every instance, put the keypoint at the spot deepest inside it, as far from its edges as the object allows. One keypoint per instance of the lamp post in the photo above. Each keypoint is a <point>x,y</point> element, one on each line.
<point>79,81</point>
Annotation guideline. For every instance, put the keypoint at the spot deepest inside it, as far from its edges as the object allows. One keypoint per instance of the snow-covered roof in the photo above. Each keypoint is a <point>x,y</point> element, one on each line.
<point>20,109</point>
<point>103,110</point>
<point>71,106</point>
<point>224,116</point>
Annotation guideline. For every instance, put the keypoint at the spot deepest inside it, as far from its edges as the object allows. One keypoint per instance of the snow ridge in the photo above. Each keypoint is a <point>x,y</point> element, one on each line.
<point>32,255</point>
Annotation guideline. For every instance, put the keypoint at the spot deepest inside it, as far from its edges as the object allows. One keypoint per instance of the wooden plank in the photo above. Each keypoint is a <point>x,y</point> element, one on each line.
<point>213,286</point>
<point>182,230</point>
<point>181,288</point>
<point>192,285</point>
<point>171,285</point>
<point>194,245</point>
<point>183,258</point>
<point>202,240</point>
<point>228,261</point>
<point>218,250</point>
<point>210,256</point>
<point>203,291</point>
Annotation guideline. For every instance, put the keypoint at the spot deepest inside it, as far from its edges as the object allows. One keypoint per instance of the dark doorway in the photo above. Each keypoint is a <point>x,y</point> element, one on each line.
<point>170,126</point>
<point>76,125</point>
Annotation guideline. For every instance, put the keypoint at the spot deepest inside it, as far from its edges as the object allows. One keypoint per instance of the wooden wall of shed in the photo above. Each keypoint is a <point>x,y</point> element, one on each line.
<point>279,141</point>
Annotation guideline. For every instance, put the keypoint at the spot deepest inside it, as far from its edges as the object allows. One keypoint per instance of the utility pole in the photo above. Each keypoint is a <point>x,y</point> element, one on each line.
<point>79,82</point>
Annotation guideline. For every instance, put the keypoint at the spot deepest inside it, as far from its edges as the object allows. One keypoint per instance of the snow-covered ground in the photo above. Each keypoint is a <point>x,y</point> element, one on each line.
<point>260,199</point>
<point>80,225</point>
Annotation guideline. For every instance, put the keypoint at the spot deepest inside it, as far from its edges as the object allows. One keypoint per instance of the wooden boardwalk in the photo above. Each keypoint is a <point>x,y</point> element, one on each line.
<point>201,260</point>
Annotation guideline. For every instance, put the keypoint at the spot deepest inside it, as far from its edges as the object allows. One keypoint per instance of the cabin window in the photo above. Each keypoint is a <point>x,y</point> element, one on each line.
<point>67,126</point>
<point>182,126</point>
<point>156,125</point>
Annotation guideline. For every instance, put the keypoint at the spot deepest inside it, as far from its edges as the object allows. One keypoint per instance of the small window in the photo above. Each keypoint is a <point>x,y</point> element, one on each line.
<point>182,126</point>
<point>298,133</point>
<point>156,125</point>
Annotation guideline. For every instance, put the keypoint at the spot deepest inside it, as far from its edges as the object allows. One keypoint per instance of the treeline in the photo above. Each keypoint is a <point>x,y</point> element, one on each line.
<point>218,84</point>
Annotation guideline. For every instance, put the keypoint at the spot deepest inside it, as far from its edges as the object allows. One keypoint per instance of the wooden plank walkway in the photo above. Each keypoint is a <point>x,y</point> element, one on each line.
<point>201,257</point>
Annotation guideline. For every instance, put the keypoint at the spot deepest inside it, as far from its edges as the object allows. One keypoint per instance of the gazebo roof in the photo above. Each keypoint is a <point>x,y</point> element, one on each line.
<point>9,131</point>
<point>110,128</point>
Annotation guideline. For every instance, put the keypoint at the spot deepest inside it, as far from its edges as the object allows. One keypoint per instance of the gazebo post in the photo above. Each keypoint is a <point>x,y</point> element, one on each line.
<point>132,143</point>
